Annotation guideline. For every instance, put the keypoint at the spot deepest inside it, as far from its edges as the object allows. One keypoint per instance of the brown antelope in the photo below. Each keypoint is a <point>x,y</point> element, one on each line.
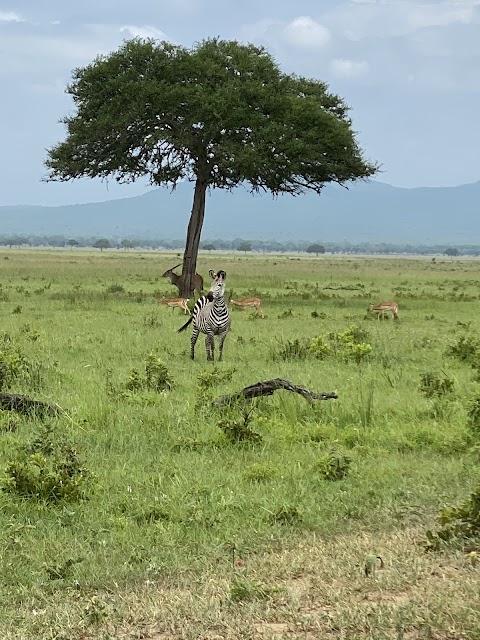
<point>383,307</point>
<point>256,303</point>
<point>182,303</point>
<point>177,280</point>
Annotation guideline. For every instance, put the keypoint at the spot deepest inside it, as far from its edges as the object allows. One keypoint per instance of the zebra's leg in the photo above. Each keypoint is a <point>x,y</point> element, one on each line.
<point>195,334</point>
<point>221,340</point>
<point>210,345</point>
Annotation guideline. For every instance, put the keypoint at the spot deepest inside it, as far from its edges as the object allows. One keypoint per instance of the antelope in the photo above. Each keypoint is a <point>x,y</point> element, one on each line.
<point>182,303</point>
<point>210,316</point>
<point>256,303</point>
<point>176,279</point>
<point>383,307</point>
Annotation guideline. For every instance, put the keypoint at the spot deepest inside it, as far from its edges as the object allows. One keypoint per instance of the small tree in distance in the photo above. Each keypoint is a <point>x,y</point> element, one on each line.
<point>244,246</point>
<point>316,248</point>
<point>209,247</point>
<point>452,251</point>
<point>102,244</point>
<point>220,115</point>
<point>72,243</point>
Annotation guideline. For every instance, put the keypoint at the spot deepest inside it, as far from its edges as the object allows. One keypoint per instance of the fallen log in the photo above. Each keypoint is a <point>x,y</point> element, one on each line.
<point>23,404</point>
<point>267,388</point>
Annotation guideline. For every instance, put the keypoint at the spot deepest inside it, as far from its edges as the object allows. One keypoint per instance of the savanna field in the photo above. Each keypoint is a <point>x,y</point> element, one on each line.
<point>142,511</point>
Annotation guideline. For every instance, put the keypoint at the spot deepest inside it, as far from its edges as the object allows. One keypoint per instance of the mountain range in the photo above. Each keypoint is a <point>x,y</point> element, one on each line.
<point>367,211</point>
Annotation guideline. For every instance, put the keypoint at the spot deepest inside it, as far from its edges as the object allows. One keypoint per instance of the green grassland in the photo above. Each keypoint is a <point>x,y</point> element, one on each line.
<point>178,520</point>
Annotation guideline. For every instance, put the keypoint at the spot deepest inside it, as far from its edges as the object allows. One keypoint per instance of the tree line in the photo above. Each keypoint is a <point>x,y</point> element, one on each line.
<point>239,244</point>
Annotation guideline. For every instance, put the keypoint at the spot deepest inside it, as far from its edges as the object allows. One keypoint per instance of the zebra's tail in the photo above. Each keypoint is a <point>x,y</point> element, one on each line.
<point>183,327</point>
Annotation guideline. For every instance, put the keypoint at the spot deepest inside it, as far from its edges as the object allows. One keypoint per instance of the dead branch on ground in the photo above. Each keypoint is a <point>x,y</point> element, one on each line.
<point>23,404</point>
<point>267,388</point>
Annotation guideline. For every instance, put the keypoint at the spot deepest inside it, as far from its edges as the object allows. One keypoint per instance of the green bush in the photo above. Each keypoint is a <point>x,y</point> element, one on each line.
<point>434,386</point>
<point>466,349</point>
<point>48,468</point>
<point>334,466</point>
<point>459,525</point>
<point>157,377</point>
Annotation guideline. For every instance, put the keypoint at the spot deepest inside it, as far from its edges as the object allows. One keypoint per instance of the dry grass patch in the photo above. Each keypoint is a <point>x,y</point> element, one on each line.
<point>314,589</point>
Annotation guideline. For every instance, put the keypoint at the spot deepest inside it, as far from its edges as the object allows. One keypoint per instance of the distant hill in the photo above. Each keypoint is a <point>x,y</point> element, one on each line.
<point>366,212</point>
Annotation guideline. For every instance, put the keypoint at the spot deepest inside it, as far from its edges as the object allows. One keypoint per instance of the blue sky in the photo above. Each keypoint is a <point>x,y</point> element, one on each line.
<point>409,69</point>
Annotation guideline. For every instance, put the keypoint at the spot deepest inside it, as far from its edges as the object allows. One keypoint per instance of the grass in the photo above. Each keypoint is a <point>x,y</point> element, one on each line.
<point>189,533</point>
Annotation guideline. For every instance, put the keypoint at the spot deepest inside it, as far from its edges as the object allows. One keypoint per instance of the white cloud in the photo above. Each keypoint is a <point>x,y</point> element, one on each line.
<point>10,16</point>
<point>144,31</point>
<point>440,14</point>
<point>359,19</point>
<point>344,68</point>
<point>304,31</point>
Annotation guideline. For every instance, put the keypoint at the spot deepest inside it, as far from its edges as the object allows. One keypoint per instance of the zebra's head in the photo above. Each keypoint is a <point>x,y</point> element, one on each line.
<point>220,275</point>
<point>217,287</point>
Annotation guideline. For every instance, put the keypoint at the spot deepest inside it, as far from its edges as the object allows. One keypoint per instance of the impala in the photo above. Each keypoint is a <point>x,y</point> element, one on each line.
<point>255,303</point>
<point>383,307</point>
<point>176,280</point>
<point>182,303</point>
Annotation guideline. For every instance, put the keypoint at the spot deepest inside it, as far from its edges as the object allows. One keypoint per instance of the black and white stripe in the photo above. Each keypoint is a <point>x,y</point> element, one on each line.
<point>210,316</point>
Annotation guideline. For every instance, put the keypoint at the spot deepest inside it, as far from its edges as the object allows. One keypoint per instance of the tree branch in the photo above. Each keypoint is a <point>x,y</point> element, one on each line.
<point>22,404</point>
<point>267,388</point>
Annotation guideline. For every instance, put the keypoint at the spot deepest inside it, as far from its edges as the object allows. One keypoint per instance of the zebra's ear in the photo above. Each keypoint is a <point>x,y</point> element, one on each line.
<point>212,274</point>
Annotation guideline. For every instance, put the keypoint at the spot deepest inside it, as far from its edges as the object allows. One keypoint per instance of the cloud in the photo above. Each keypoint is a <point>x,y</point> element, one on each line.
<point>145,31</point>
<point>10,16</point>
<point>306,32</point>
<point>344,68</point>
<point>359,19</point>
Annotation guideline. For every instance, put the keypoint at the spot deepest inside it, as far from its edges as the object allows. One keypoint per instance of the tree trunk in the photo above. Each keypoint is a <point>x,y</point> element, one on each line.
<point>193,237</point>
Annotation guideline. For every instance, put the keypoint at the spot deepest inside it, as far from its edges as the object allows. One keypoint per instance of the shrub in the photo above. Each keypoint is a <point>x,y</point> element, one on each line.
<point>320,348</point>
<point>466,349</point>
<point>157,377</point>
<point>115,288</point>
<point>334,466</point>
<point>459,525</point>
<point>474,415</point>
<point>208,381</point>
<point>47,468</point>
<point>239,430</point>
<point>14,365</point>
<point>434,386</point>
<point>292,350</point>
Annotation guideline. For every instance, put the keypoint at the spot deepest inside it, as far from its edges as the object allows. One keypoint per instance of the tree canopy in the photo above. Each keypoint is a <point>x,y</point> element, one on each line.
<point>316,248</point>
<point>452,251</point>
<point>102,244</point>
<point>245,246</point>
<point>220,114</point>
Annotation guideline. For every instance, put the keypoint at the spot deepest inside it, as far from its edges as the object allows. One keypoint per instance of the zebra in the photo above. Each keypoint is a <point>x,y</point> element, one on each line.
<point>210,316</point>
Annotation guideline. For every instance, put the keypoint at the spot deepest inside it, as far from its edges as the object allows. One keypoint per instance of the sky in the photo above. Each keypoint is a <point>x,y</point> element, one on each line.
<point>410,71</point>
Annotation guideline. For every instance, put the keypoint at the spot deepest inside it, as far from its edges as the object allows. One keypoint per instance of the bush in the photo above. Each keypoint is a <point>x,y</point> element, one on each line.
<point>459,525</point>
<point>466,349</point>
<point>334,466</point>
<point>14,365</point>
<point>47,469</point>
<point>474,415</point>
<point>157,377</point>
<point>434,386</point>
<point>292,350</point>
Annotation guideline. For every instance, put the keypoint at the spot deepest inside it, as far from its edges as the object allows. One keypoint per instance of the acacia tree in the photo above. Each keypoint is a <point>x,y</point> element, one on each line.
<point>219,114</point>
<point>316,248</point>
